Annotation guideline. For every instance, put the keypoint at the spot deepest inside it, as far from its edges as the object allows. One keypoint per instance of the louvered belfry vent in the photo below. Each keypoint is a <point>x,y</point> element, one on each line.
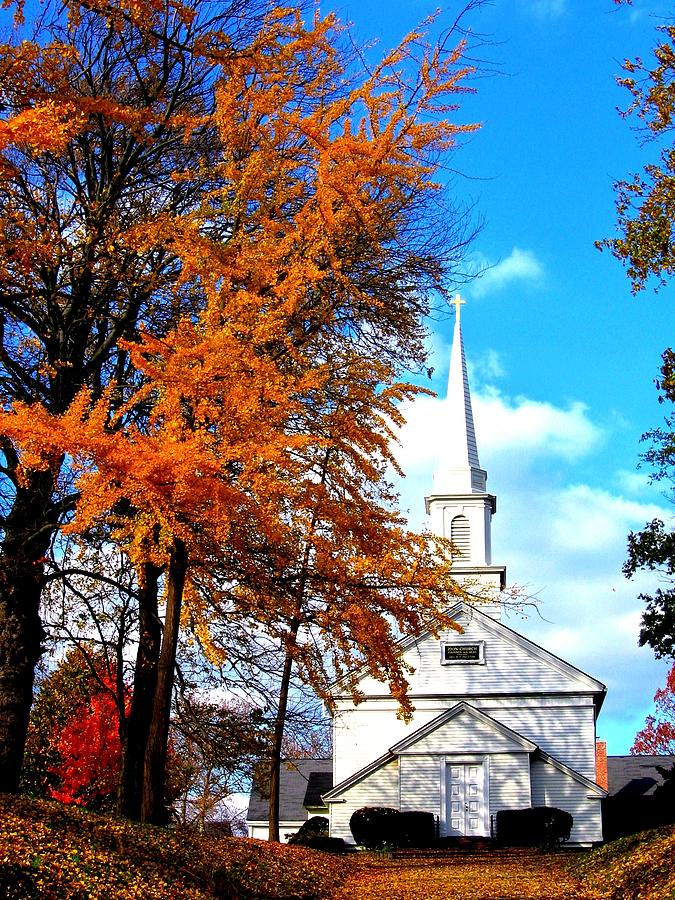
<point>461,537</point>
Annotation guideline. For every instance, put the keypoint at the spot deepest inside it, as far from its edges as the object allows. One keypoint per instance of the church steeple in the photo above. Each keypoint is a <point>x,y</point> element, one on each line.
<point>460,507</point>
<point>459,471</point>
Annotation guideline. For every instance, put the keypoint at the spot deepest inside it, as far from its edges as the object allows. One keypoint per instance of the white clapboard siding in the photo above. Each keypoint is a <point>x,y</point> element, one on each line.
<point>420,783</point>
<point>380,788</point>
<point>507,666</point>
<point>464,734</point>
<point>561,726</point>
<point>566,732</point>
<point>551,787</point>
<point>534,701</point>
<point>363,733</point>
<point>509,782</point>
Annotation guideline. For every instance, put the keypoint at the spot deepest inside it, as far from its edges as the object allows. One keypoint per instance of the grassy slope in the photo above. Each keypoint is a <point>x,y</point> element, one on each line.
<point>639,866</point>
<point>48,850</point>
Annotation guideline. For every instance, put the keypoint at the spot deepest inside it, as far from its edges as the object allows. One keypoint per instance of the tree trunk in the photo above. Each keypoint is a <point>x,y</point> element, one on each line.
<point>279,725</point>
<point>29,528</point>
<point>145,684</point>
<point>153,807</point>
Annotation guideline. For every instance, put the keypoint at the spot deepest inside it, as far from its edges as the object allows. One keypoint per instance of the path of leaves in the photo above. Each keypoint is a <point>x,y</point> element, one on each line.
<point>492,875</point>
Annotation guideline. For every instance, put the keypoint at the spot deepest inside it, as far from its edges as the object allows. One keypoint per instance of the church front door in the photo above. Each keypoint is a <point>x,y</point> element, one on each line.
<point>465,795</point>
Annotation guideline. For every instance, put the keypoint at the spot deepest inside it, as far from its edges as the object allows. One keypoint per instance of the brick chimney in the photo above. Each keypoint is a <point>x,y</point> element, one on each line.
<point>601,764</point>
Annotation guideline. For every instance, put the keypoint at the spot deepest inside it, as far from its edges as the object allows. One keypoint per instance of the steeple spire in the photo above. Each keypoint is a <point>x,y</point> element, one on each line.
<point>460,507</point>
<point>459,471</point>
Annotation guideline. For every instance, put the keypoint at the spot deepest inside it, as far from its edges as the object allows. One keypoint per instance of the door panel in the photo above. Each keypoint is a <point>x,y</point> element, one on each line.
<point>465,799</point>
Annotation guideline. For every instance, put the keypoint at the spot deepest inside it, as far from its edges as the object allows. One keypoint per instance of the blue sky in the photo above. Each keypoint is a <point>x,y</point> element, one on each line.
<point>562,357</point>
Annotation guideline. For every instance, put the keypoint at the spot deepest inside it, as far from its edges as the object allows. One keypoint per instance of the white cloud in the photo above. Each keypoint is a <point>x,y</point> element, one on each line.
<point>519,265</point>
<point>486,367</point>
<point>525,426</point>
<point>632,482</point>
<point>588,520</point>
<point>545,9</point>
<point>520,427</point>
<point>568,544</point>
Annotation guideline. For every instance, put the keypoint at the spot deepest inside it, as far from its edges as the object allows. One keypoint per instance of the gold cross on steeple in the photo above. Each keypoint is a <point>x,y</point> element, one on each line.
<point>457,303</point>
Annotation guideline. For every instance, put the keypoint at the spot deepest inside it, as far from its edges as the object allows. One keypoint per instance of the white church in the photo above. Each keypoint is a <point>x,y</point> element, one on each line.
<point>499,722</point>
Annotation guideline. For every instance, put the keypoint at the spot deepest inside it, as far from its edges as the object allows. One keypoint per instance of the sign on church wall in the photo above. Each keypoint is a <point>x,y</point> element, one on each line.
<point>463,653</point>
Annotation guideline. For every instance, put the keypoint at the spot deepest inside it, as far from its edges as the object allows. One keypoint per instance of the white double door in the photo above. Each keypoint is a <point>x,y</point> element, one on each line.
<point>465,799</point>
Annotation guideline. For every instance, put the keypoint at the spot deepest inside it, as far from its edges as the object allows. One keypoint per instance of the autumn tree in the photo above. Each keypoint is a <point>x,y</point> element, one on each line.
<point>305,541</point>
<point>653,548</point>
<point>645,201</point>
<point>74,743</point>
<point>345,578</point>
<point>321,234</point>
<point>658,735</point>
<point>90,753</point>
<point>98,111</point>
<point>645,204</point>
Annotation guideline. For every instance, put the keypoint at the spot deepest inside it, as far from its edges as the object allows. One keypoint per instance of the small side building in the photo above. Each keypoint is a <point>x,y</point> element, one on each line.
<point>301,785</point>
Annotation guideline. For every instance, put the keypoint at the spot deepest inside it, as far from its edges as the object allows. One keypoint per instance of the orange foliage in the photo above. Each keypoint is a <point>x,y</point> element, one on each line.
<point>258,430</point>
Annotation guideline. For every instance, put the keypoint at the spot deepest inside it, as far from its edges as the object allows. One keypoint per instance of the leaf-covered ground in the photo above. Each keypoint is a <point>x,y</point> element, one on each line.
<point>53,852</point>
<point>488,875</point>
<point>639,867</point>
<point>56,852</point>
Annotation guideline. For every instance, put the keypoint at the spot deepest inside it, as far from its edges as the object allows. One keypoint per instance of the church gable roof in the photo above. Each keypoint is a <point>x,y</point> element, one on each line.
<point>509,664</point>
<point>483,734</point>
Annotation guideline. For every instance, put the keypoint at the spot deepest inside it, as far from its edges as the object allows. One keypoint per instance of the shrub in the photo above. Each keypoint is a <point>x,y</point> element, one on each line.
<point>327,844</point>
<point>314,827</point>
<point>374,827</point>
<point>415,829</point>
<point>540,826</point>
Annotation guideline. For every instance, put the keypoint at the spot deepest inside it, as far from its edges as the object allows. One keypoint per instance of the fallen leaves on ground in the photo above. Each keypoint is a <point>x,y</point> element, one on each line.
<point>56,852</point>
<point>637,867</point>
<point>487,875</point>
<point>49,851</point>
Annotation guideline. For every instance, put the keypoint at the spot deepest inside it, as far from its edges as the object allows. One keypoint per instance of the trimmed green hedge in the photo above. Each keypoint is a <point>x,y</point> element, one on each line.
<point>375,827</point>
<point>538,826</point>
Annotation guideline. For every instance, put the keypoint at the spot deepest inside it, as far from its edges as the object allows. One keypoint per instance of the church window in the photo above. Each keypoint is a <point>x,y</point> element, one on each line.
<point>460,536</point>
